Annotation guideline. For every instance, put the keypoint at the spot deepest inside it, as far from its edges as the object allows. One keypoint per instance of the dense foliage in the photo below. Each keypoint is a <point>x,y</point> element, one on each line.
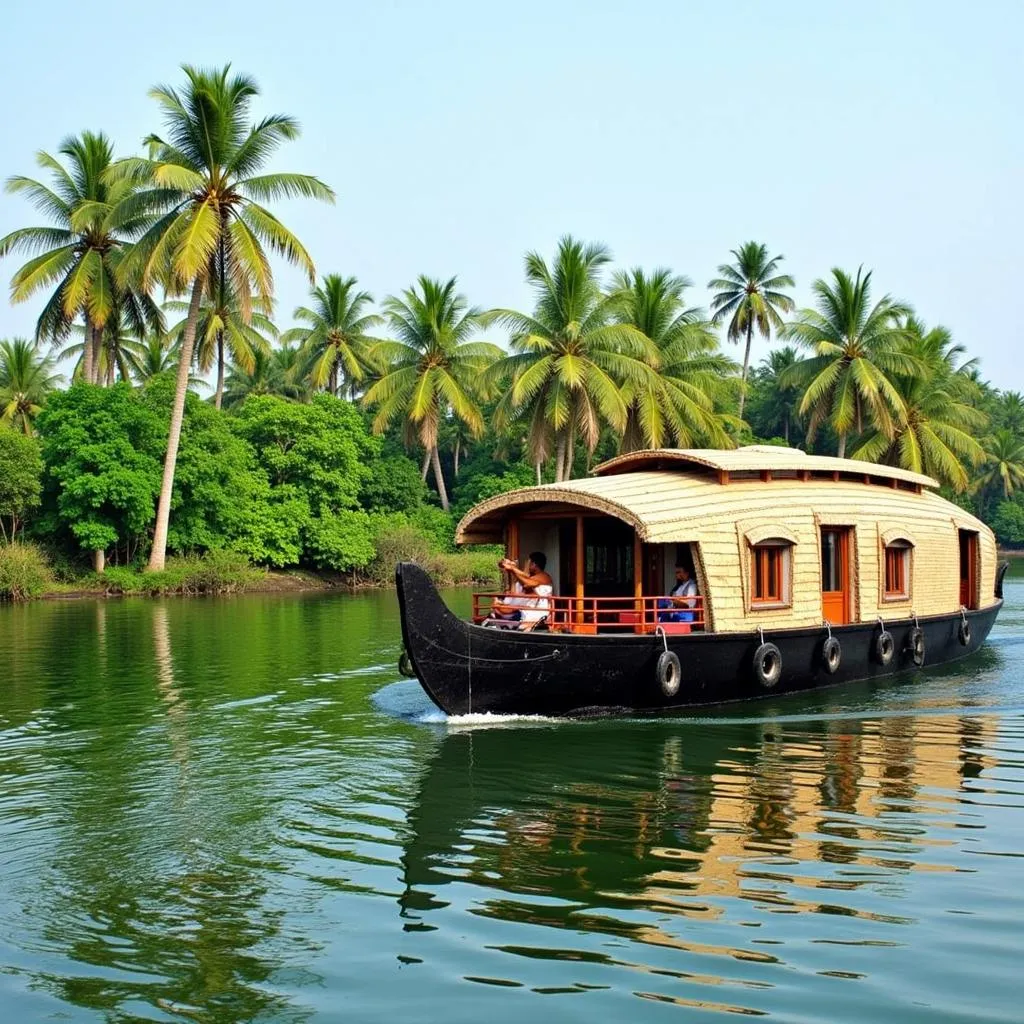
<point>316,444</point>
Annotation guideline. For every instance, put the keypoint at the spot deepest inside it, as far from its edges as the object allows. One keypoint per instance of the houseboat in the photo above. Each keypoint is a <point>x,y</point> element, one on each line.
<point>808,570</point>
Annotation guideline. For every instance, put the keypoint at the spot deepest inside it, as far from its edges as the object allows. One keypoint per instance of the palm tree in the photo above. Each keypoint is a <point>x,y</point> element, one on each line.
<point>153,355</point>
<point>81,250</point>
<point>432,369</point>
<point>1003,469</point>
<point>569,357</point>
<point>680,400</point>
<point>334,337</point>
<point>272,372</point>
<point>226,327</point>
<point>940,418</point>
<point>203,189</point>
<point>26,378</point>
<point>750,294</point>
<point>1008,411</point>
<point>775,403</point>
<point>858,348</point>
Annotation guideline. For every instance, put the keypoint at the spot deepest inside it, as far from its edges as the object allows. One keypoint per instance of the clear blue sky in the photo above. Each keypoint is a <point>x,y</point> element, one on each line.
<point>458,135</point>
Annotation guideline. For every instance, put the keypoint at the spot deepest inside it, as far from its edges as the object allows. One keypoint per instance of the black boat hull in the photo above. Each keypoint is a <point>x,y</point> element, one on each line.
<point>469,669</point>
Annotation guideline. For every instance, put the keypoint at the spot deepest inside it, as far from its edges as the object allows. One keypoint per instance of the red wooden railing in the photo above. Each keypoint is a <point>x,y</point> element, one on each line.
<point>601,614</point>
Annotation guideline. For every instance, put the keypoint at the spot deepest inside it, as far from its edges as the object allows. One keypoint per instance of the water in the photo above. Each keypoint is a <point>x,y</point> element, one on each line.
<point>234,810</point>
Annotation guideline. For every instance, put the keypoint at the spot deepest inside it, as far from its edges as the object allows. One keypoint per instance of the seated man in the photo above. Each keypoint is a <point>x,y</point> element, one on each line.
<point>535,585</point>
<point>681,596</point>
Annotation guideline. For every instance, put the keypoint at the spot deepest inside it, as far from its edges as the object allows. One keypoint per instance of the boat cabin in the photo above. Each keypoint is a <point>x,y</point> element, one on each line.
<point>773,537</point>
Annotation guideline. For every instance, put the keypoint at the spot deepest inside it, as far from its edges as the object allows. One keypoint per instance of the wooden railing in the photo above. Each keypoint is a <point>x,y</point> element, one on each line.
<point>601,614</point>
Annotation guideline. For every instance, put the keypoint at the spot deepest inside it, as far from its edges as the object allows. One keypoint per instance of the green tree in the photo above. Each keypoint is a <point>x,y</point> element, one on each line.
<point>939,415</point>
<point>680,401</point>
<point>227,327</point>
<point>774,400</point>
<point>205,193</point>
<point>1003,469</point>
<point>570,357</point>
<point>21,471</point>
<point>153,355</point>
<point>1008,412</point>
<point>858,349</point>
<point>276,372</point>
<point>81,249</point>
<point>334,336</point>
<point>26,380</point>
<point>122,340</point>
<point>749,294</point>
<point>1008,523</point>
<point>101,450</point>
<point>432,369</point>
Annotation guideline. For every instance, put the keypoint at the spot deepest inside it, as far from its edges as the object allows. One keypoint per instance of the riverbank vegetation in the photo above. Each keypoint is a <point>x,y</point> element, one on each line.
<point>166,405</point>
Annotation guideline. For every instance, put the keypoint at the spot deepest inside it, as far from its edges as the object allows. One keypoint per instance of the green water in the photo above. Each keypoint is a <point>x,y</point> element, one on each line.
<point>234,810</point>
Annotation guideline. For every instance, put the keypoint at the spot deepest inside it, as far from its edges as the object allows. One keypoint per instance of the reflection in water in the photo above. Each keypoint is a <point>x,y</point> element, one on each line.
<point>230,811</point>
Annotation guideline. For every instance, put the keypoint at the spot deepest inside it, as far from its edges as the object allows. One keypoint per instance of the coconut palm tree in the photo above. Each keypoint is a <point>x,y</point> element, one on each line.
<point>203,188</point>
<point>749,295</point>
<point>858,348</point>
<point>774,408</point>
<point>570,357</point>
<point>1008,411</point>
<point>936,435</point>
<point>26,378</point>
<point>679,401</point>
<point>226,327</point>
<point>275,371</point>
<point>431,370</point>
<point>79,252</point>
<point>1003,469</point>
<point>334,336</point>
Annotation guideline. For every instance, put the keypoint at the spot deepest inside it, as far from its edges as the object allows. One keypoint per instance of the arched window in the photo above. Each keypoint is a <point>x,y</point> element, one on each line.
<point>896,579</point>
<point>771,573</point>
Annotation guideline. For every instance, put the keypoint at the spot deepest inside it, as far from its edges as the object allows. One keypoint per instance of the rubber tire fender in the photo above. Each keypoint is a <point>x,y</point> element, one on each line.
<point>885,647</point>
<point>917,645</point>
<point>963,633</point>
<point>831,655</point>
<point>669,673</point>
<point>405,665</point>
<point>768,665</point>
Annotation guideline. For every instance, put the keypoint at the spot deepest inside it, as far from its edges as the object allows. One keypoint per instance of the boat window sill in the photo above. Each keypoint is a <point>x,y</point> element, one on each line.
<point>896,598</point>
<point>770,606</point>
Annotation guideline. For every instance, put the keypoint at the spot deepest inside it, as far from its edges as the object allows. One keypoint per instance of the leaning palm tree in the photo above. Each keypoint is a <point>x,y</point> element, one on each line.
<point>334,334</point>
<point>680,402</point>
<point>936,436</point>
<point>203,188</point>
<point>431,370</point>
<point>226,330</point>
<point>570,357</point>
<point>26,378</point>
<point>858,348</point>
<point>749,295</point>
<point>78,254</point>
<point>1003,469</point>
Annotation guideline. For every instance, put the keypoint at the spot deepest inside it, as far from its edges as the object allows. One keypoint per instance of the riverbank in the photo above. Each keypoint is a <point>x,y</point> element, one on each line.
<point>27,574</point>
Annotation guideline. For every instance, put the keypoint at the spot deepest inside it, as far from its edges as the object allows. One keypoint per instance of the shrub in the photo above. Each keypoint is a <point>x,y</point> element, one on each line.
<point>464,568</point>
<point>24,572</point>
<point>397,541</point>
<point>216,572</point>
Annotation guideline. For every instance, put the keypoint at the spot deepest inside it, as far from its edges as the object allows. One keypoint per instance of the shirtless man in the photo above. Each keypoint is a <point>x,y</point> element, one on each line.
<point>536,585</point>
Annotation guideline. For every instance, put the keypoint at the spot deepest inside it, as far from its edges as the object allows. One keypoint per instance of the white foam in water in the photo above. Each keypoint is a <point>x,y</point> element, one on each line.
<point>489,720</point>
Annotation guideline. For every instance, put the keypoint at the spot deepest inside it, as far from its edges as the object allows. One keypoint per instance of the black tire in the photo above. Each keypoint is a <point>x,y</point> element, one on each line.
<point>768,665</point>
<point>831,655</point>
<point>885,647</point>
<point>917,645</point>
<point>405,665</point>
<point>669,673</point>
<point>963,633</point>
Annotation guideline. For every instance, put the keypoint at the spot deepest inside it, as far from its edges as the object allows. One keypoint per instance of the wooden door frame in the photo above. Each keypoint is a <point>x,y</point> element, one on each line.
<point>846,581</point>
<point>973,559</point>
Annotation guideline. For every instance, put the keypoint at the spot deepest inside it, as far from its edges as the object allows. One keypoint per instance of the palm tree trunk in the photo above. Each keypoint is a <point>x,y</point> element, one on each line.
<point>425,468</point>
<point>333,385</point>
<point>746,364</point>
<point>218,396</point>
<point>110,374</point>
<point>435,458</point>
<point>87,353</point>
<point>458,444</point>
<point>560,458</point>
<point>842,446</point>
<point>536,466</point>
<point>99,560</point>
<point>785,427</point>
<point>163,509</point>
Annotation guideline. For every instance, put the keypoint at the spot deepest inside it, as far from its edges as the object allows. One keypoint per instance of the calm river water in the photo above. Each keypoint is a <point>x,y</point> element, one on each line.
<point>234,810</point>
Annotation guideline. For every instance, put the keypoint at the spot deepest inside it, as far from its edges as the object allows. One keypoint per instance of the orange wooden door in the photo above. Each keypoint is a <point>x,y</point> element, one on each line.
<point>835,575</point>
<point>968,569</point>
